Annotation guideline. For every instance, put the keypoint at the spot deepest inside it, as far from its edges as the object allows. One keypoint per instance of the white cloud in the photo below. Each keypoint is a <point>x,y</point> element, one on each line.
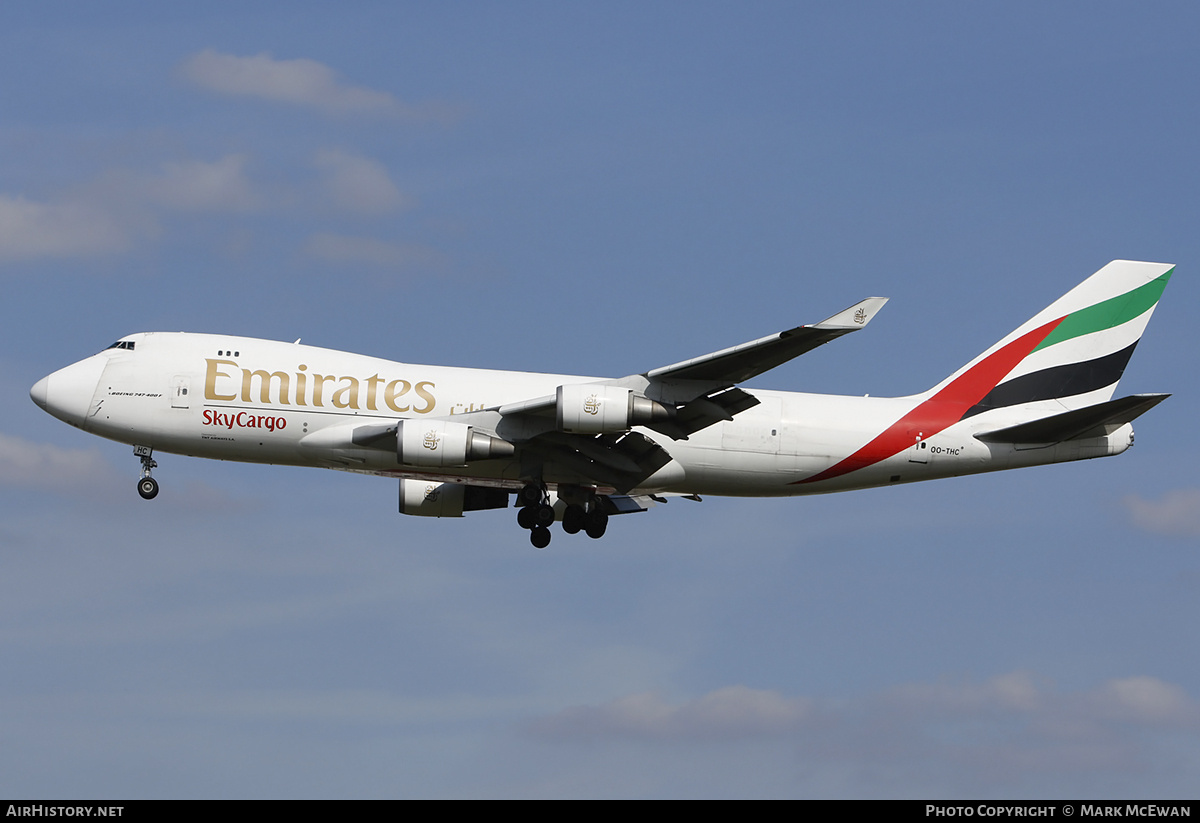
<point>300,82</point>
<point>1146,700</point>
<point>109,214</point>
<point>733,712</point>
<point>1178,513</point>
<point>1010,730</point>
<point>359,183</point>
<point>368,706</point>
<point>195,185</point>
<point>74,228</point>
<point>43,466</point>
<point>348,249</point>
<point>1016,691</point>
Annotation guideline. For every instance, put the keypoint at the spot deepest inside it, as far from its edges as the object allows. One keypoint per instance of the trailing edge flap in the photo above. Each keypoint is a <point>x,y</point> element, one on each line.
<point>626,503</point>
<point>704,411</point>
<point>621,460</point>
<point>630,503</point>
<point>1091,421</point>
<point>738,363</point>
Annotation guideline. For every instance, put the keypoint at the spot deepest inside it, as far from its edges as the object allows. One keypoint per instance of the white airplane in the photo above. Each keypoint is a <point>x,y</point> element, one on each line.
<point>579,449</point>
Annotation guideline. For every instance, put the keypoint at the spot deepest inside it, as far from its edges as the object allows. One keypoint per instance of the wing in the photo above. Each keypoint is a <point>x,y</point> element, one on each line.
<point>676,400</point>
<point>699,392</point>
<point>740,363</point>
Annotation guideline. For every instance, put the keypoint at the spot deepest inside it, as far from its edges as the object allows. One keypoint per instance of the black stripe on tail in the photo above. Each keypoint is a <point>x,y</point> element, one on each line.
<point>1058,381</point>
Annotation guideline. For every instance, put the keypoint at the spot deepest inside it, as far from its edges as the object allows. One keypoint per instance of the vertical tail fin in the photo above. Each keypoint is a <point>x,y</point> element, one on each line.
<point>1073,352</point>
<point>1067,357</point>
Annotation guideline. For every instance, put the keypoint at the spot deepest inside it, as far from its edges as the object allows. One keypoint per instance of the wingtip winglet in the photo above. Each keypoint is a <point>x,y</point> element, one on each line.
<point>855,317</point>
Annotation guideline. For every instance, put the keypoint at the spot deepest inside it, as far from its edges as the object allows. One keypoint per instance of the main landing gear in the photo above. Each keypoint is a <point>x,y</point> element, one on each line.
<point>536,514</point>
<point>147,487</point>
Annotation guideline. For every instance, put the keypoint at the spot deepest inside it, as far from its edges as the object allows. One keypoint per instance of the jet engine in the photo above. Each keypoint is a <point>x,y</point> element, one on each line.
<point>428,498</point>
<point>585,408</point>
<point>440,444</point>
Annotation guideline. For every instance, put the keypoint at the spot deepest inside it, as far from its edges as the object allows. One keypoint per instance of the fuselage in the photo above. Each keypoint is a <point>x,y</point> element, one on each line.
<point>244,399</point>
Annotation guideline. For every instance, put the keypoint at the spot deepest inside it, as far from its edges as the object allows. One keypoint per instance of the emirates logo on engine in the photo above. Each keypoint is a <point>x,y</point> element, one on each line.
<point>431,440</point>
<point>432,493</point>
<point>592,404</point>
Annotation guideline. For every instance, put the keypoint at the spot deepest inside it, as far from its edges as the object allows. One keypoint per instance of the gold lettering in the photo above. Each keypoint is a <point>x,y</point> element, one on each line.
<point>425,396</point>
<point>346,392</point>
<point>390,395</point>
<point>210,379</point>
<point>372,386</point>
<point>301,385</point>
<point>350,388</point>
<point>319,381</point>
<point>285,384</point>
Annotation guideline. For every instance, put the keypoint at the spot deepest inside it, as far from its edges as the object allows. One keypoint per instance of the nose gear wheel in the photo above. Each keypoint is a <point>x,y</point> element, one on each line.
<point>147,487</point>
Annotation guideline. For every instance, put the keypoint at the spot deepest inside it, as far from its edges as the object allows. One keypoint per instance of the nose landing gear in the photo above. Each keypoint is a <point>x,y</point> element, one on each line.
<point>147,487</point>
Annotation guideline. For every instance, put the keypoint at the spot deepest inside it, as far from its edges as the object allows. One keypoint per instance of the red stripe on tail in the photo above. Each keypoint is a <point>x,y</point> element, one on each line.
<point>942,410</point>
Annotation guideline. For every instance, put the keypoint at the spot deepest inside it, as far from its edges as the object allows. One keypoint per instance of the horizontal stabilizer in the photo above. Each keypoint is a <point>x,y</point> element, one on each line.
<point>1090,421</point>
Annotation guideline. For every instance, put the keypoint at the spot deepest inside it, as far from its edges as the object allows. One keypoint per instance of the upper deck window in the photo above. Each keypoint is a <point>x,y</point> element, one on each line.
<point>122,344</point>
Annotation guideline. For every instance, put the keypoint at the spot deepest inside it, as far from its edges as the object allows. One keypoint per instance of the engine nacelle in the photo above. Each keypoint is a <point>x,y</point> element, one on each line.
<point>428,498</point>
<point>438,444</point>
<point>585,408</point>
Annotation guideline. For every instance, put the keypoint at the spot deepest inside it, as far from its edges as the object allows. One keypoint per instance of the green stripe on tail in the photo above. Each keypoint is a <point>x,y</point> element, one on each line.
<point>1108,313</point>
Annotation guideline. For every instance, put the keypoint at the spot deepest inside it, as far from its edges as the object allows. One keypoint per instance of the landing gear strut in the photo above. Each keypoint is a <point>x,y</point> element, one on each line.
<point>147,487</point>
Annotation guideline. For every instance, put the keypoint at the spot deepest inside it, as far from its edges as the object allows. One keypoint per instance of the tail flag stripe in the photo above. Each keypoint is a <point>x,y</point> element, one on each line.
<point>943,409</point>
<point>1073,377</point>
<point>1059,381</point>
<point>1109,313</point>
<point>1106,326</point>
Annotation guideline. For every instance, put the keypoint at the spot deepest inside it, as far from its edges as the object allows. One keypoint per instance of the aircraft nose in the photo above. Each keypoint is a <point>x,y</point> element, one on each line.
<point>39,391</point>
<point>67,393</point>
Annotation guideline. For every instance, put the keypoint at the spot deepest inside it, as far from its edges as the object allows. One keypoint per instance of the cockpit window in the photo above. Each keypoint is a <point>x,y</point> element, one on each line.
<point>122,344</point>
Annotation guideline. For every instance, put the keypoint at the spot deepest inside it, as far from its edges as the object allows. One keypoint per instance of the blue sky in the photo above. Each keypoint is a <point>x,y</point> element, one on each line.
<point>594,189</point>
